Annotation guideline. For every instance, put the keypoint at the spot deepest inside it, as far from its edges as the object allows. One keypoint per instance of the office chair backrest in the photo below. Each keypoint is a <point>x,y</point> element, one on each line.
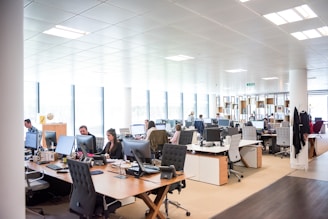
<point>186,137</point>
<point>233,152</point>
<point>249,133</point>
<point>157,139</point>
<point>83,199</point>
<point>283,136</point>
<point>174,155</point>
<point>99,143</point>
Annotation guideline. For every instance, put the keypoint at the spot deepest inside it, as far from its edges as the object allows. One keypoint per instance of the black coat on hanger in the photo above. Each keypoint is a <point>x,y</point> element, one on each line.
<point>296,132</point>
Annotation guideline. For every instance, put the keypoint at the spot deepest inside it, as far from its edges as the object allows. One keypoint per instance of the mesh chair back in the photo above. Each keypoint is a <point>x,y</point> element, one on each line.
<point>233,152</point>
<point>83,199</point>
<point>283,136</point>
<point>186,137</point>
<point>174,155</point>
<point>249,133</point>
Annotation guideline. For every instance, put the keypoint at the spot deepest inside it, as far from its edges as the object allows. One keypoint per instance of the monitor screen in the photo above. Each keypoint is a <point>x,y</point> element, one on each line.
<point>316,119</point>
<point>65,145</point>
<point>212,134</point>
<point>259,125</point>
<point>137,129</point>
<point>224,122</point>
<point>85,141</point>
<point>141,147</point>
<point>51,139</point>
<point>208,120</point>
<point>31,140</point>
<point>160,126</point>
<point>124,131</point>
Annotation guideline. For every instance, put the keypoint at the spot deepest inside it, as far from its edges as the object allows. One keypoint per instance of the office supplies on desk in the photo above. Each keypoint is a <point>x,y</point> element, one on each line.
<point>54,167</point>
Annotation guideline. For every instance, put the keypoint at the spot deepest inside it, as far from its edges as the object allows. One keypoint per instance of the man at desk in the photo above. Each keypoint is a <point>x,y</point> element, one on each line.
<point>30,127</point>
<point>84,131</point>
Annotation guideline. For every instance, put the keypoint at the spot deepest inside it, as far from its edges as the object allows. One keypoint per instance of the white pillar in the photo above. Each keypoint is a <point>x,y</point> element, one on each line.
<point>213,108</point>
<point>12,189</point>
<point>298,99</point>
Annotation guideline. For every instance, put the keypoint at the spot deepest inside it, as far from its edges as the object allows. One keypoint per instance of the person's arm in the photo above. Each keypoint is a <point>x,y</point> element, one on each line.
<point>174,138</point>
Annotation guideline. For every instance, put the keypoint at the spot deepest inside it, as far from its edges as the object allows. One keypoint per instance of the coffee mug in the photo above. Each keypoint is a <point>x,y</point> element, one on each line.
<point>36,158</point>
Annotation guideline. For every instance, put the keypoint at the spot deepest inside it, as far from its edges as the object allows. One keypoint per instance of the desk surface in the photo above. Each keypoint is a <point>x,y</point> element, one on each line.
<point>110,184</point>
<point>219,149</point>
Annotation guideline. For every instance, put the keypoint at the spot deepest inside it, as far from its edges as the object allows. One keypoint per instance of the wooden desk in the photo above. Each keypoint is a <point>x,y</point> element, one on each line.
<point>111,185</point>
<point>205,164</point>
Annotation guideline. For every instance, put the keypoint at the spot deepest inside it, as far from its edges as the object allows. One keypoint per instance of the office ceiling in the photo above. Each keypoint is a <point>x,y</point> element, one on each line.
<point>129,40</point>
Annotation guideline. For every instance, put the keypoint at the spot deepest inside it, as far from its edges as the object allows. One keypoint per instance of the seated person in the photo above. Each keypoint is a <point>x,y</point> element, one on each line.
<point>84,131</point>
<point>113,149</point>
<point>151,127</point>
<point>176,136</point>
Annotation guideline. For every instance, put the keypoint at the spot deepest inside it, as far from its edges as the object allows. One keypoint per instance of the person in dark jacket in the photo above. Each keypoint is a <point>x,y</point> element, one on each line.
<point>113,148</point>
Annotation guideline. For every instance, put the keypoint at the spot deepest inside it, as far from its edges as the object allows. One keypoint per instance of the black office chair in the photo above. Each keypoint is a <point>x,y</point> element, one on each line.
<point>84,198</point>
<point>35,190</point>
<point>174,155</point>
<point>186,137</point>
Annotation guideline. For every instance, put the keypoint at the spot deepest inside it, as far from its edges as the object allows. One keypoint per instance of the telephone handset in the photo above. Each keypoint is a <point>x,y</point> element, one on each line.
<point>168,172</point>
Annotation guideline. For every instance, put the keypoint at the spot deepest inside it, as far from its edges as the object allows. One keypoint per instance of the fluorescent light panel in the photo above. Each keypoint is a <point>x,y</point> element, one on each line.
<point>179,58</point>
<point>310,34</point>
<point>291,15</point>
<point>270,78</point>
<point>66,32</point>
<point>235,70</point>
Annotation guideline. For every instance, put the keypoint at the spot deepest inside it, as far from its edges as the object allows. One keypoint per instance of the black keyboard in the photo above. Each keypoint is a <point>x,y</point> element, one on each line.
<point>54,167</point>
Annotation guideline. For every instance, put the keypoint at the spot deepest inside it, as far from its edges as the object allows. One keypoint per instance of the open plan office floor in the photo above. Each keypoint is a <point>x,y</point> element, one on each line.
<point>206,201</point>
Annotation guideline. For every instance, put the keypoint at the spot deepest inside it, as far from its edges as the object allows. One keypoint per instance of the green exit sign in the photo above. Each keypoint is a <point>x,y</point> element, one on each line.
<point>250,84</point>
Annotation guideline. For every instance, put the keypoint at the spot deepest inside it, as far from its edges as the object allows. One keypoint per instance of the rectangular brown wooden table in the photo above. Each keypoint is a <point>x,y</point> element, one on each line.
<point>110,184</point>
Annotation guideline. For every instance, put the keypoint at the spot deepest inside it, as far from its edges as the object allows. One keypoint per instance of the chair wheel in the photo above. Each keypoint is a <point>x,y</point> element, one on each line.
<point>187,213</point>
<point>238,180</point>
<point>242,176</point>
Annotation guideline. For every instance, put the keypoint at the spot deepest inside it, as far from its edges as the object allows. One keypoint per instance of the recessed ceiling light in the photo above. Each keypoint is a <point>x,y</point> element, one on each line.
<point>244,0</point>
<point>313,33</point>
<point>66,32</point>
<point>179,58</point>
<point>235,70</point>
<point>270,78</point>
<point>291,15</point>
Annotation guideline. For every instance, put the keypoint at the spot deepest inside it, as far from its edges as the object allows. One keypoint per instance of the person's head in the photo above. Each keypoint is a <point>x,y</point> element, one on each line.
<point>83,130</point>
<point>151,124</point>
<point>217,115</point>
<point>111,135</point>
<point>191,113</point>
<point>200,116</point>
<point>146,123</point>
<point>178,127</point>
<point>27,123</point>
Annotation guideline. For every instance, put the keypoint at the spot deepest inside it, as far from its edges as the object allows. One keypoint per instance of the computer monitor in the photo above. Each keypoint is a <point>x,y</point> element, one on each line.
<point>124,131</point>
<point>141,147</point>
<point>224,122</point>
<point>31,141</point>
<point>65,145</point>
<point>188,124</point>
<point>212,135</point>
<point>316,119</point>
<point>233,131</point>
<point>160,126</point>
<point>85,141</point>
<point>214,121</point>
<point>208,121</point>
<point>259,125</point>
<point>51,138</point>
<point>137,129</point>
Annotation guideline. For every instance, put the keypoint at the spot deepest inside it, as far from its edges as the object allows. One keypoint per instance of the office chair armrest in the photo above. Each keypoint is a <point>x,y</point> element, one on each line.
<point>27,173</point>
